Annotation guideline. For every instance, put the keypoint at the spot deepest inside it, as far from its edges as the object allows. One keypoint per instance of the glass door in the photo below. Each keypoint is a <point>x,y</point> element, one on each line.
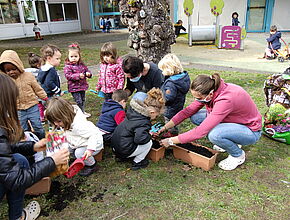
<point>256,13</point>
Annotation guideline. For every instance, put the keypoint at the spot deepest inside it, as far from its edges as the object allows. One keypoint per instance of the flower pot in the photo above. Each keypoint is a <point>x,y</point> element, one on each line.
<point>156,154</point>
<point>195,159</point>
<point>42,186</point>
<point>99,156</point>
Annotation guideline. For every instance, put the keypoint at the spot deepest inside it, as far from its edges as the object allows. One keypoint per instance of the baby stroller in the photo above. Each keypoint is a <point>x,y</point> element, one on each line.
<point>283,53</point>
<point>277,118</point>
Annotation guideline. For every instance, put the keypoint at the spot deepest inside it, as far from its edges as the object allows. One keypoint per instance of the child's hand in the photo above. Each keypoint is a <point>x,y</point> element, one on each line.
<point>61,156</point>
<point>40,145</point>
<point>88,74</point>
<point>87,154</point>
<point>82,76</point>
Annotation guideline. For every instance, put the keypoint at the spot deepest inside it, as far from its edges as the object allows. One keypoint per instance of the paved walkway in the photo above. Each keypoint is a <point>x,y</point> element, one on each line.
<point>204,56</point>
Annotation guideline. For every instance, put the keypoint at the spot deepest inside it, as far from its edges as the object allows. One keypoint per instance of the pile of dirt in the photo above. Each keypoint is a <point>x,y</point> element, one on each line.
<point>156,144</point>
<point>196,149</point>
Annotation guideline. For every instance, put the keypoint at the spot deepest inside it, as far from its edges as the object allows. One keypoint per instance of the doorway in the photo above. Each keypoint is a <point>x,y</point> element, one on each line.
<point>259,15</point>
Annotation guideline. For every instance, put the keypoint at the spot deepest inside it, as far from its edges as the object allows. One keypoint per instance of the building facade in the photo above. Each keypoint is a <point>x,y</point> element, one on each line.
<point>255,15</point>
<point>53,17</point>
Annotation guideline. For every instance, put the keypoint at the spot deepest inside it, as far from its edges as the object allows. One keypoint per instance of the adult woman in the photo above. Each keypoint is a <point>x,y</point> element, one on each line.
<point>15,173</point>
<point>231,118</point>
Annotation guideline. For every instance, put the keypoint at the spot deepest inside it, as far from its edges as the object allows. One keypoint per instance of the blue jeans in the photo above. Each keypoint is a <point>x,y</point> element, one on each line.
<point>31,114</point>
<point>228,135</point>
<point>15,199</point>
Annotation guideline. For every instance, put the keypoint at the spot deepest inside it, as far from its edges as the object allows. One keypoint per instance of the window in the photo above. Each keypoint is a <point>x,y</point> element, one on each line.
<point>40,10</point>
<point>9,12</point>
<point>56,13</point>
<point>29,16</point>
<point>101,6</point>
<point>70,11</point>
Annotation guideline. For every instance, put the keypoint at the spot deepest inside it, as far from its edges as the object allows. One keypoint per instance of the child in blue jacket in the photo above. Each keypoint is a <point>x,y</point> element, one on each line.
<point>273,42</point>
<point>174,88</point>
<point>113,113</point>
<point>48,76</point>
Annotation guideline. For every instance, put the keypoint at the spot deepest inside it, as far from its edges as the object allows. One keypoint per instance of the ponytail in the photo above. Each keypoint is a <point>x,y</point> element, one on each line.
<point>205,83</point>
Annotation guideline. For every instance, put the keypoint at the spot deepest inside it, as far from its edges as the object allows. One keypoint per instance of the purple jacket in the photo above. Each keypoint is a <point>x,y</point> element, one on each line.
<point>72,74</point>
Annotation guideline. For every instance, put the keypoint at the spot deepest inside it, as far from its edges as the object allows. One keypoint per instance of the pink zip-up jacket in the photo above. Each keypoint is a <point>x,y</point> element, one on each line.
<point>111,77</point>
<point>230,104</point>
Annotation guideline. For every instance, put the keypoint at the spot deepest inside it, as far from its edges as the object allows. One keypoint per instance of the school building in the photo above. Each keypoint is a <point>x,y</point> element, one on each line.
<point>65,16</point>
<point>254,15</point>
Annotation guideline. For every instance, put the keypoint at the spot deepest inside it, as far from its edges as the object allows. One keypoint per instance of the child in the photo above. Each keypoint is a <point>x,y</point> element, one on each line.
<point>273,42</point>
<point>48,76</point>
<point>29,90</point>
<point>36,31</point>
<point>235,19</point>
<point>178,27</point>
<point>113,113</point>
<point>103,24</point>
<point>35,62</point>
<point>174,88</point>
<point>84,138</point>
<point>76,72</point>
<point>132,138</point>
<point>108,25</point>
<point>16,175</point>
<point>111,75</point>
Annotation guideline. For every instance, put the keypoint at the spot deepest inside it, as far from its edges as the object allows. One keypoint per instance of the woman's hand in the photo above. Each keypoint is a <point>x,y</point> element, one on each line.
<point>160,131</point>
<point>61,156</point>
<point>40,145</point>
<point>87,154</point>
<point>166,142</point>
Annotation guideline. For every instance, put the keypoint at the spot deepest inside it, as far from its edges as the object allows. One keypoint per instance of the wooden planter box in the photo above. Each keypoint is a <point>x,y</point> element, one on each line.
<point>195,159</point>
<point>99,156</point>
<point>156,154</point>
<point>42,186</point>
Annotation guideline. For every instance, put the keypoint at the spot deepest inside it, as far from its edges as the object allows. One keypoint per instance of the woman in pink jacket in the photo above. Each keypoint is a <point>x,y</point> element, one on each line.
<point>230,119</point>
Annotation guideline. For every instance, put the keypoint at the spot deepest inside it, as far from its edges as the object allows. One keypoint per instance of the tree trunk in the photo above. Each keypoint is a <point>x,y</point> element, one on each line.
<point>150,29</point>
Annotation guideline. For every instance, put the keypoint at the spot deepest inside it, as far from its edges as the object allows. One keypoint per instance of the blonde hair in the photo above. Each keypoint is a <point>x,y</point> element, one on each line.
<point>108,49</point>
<point>59,109</point>
<point>170,65</point>
<point>155,100</point>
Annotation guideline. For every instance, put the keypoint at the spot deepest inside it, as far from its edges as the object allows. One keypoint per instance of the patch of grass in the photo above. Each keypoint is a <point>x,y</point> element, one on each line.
<point>165,190</point>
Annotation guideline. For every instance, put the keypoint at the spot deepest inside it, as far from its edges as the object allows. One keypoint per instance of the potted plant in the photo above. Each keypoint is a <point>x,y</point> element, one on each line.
<point>157,151</point>
<point>196,155</point>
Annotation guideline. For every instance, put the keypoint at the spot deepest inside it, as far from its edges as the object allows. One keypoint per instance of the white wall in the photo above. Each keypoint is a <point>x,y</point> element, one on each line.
<point>281,14</point>
<point>203,16</point>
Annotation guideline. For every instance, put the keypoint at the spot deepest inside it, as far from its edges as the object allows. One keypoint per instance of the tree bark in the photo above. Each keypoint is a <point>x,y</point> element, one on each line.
<point>150,29</point>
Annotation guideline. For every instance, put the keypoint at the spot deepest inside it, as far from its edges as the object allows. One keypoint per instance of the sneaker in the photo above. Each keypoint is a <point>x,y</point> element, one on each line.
<point>88,170</point>
<point>231,163</point>
<point>219,149</point>
<point>142,164</point>
<point>87,114</point>
<point>31,211</point>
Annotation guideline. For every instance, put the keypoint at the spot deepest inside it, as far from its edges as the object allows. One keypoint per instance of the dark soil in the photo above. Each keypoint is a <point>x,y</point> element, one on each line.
<point>199,150</point>
<point>60,195</point>
<point>156,144</point>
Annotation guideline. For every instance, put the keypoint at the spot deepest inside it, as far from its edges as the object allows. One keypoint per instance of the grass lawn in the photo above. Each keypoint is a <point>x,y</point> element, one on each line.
<point>170,189</point>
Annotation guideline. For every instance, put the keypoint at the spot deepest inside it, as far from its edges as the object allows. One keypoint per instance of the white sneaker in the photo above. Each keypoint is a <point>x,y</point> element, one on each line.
<point>32,210</point>
<point>219,149</point>
<point>87,114</point>
<point>231,163</point>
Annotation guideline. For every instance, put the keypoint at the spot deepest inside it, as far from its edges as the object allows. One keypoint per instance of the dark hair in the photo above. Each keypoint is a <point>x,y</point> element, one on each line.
<point>273,28</point>
<point>8,109</point>
<point>34,60</point>
<point>179,22</point>
<point>108,49</point>
<point>132,65</point>
<point>35,23</point>
<point>235,13</point>
<point>119,95</point>
<point>74,47</point>
<point>48,51</point>
<point>205,83</point>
